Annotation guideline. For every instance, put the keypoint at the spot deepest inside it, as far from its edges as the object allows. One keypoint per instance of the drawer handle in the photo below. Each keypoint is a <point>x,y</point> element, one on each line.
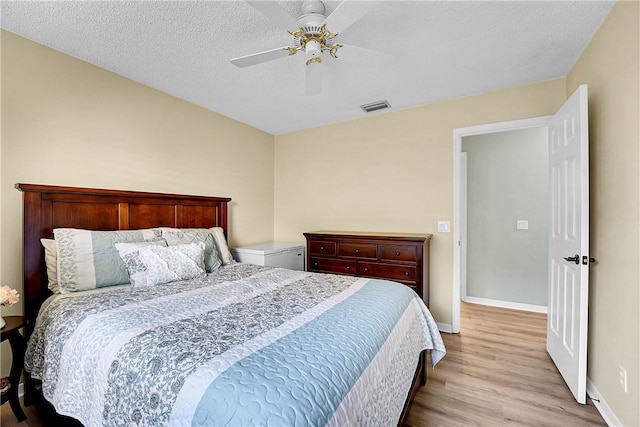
<point>406,273</point>
<point>322,248</point>
<point>348,267</point>
<point>357,251</point>
<point>315,264</point>
<point>397,253</point>
<point>366,269</point>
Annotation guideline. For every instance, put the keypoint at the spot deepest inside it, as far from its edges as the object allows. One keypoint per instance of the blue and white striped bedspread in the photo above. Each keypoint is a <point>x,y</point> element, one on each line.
<point>246,345</point>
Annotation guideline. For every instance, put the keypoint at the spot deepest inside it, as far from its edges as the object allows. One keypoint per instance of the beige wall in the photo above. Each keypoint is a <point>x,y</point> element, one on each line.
<point>609,65</point>
<point>66,122</point>
<point>391,172</point>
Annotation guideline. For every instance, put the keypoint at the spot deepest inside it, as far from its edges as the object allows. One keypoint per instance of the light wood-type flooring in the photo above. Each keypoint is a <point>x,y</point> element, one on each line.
<point>496,373</point>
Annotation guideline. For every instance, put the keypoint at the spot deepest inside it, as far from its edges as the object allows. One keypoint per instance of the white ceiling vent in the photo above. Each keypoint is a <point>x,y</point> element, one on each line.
<point>375,106</point>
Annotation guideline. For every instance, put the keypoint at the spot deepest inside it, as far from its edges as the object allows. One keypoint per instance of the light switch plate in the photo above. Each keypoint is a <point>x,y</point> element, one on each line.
<point>444,226</point>
<point>522,224</point>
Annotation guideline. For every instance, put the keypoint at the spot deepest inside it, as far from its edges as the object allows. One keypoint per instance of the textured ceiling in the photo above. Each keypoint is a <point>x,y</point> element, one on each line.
<point>441,50</point>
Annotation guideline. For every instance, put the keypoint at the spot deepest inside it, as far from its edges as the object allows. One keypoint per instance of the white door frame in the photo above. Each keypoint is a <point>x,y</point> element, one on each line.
<point>464,179</point>
<point>459,212</point>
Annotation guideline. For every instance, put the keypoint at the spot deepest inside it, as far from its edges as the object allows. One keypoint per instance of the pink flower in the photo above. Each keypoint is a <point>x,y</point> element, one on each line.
<point>8,296</point>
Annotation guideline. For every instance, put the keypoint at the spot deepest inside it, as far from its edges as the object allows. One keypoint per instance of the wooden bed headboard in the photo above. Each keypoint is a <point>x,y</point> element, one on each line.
<point>47,207</point>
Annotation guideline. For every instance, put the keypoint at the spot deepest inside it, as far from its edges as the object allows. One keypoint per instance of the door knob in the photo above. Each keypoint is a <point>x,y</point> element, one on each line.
<point>575,258</point>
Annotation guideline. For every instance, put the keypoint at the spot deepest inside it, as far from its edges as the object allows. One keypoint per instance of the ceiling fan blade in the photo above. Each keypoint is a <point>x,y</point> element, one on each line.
<point>347,13</point>
<point>275,12</point>
<point>363,56</point>
<point>313,78</point>
<point>259,58</point>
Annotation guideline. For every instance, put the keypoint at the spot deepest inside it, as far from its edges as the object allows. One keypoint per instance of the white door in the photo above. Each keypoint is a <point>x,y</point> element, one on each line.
<point>569,242</point>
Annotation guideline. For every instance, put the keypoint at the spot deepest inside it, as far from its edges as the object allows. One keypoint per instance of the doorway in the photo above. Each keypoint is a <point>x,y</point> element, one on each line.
<point>507,219</point>
<point>463,135</point>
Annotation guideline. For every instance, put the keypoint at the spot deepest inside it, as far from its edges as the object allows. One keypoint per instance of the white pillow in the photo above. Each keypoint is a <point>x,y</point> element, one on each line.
<point>51,261</point>
<point>129,252</point>
<point>173,263</point>
<point>223,247</point>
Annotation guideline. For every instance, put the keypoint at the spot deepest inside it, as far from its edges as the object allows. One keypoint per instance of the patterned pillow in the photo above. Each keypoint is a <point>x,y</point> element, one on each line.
<point>88,259</point>
<point>51,261</point>
<point>177,236</point>
<point>173,263</point>
<point>129,252</point>
<point>223,247</point>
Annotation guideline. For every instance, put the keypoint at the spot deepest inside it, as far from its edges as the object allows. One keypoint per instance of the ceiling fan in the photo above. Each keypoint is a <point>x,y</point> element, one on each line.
<point>314,34</point>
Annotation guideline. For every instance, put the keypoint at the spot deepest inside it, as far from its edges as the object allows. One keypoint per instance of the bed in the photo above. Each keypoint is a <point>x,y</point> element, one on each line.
<point>240,345</point>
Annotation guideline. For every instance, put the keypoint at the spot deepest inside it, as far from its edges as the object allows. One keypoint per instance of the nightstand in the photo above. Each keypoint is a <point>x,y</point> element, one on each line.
<point>11,332</point>
<point>284,255</point>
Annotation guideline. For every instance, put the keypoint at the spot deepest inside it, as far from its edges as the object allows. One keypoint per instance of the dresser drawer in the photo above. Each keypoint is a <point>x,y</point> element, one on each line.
<point>358,250</point>
<point>333,266</point>
<point>400,257</point>
<point>385,271</point>
<point>319,247</point>
<point>405,253</point>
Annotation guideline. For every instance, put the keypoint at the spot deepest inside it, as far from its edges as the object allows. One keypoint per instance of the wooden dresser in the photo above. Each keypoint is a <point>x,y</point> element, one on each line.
<point>400,257</point>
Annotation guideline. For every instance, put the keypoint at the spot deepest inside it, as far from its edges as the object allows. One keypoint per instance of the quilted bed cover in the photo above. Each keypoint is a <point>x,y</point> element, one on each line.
<point>246,345</point>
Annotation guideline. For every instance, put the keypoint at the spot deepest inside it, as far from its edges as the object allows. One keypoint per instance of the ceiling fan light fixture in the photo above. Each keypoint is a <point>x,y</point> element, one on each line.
<point>375,106</point>
<point>311,35</point>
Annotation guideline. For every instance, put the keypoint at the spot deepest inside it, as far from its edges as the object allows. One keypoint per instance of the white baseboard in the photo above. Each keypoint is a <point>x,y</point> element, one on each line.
<point>445,327</point>
<point>507,304</point>
<point>602,406</point>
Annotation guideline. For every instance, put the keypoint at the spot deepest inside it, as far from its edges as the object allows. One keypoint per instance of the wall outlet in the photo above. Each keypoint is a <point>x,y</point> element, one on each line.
<point>522,224</point>
<point>444,226</point>
<point>622,378</point>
